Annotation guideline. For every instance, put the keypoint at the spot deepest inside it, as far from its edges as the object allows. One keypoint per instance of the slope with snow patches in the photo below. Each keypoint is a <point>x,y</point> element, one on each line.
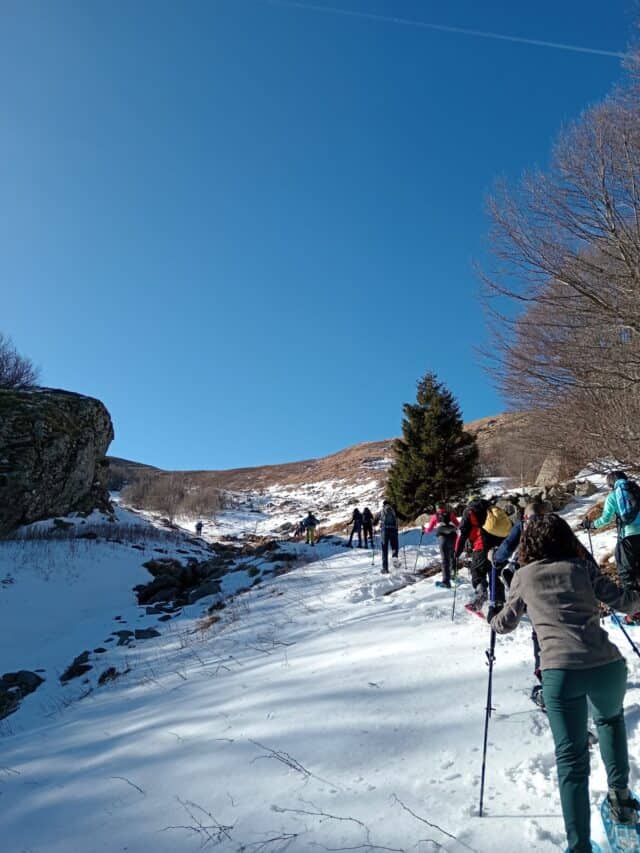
<point>275,509</point>
<point>329,708</point>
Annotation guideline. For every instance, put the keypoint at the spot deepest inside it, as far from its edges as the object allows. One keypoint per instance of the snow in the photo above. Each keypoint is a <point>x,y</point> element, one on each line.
<point>319,712</point>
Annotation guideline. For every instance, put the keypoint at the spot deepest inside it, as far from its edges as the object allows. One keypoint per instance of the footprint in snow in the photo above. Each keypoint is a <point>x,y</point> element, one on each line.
<point>534,832</point>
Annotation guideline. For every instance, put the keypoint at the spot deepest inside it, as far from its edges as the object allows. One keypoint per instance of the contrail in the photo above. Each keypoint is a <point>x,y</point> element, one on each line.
<point>409,22</point>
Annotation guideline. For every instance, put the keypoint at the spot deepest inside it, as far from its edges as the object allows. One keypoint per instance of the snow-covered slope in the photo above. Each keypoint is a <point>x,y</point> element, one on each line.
<point>328,708</point>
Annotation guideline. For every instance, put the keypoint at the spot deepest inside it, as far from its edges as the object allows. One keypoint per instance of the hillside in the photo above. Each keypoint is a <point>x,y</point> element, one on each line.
<point>501,439</point>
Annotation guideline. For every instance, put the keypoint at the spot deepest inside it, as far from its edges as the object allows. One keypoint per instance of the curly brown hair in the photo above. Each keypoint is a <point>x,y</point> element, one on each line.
<point>547,537</point>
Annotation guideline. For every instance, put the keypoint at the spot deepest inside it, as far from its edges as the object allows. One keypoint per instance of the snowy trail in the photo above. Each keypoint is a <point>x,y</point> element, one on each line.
<point>317,714</point>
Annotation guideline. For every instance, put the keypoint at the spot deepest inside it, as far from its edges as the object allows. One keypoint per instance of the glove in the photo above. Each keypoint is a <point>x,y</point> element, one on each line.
<point>493,611</point>
<point>586,523</point>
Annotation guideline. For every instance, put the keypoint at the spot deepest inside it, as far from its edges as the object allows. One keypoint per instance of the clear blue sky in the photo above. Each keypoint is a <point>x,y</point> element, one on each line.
<point>250,228</point>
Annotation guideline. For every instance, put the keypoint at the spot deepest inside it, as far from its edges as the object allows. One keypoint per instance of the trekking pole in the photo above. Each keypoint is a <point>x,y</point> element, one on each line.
<point>455,587</point>
<point>415,566</point>
<point>613,613</point>
<point>490,659</point>
<point>373,549</point>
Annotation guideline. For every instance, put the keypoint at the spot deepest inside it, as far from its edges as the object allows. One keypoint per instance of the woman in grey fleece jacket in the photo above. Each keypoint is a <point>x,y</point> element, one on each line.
<point>560,593</point>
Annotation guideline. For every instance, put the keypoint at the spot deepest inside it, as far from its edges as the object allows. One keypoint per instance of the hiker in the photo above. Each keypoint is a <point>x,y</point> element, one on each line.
<point>198,528</point>
<point>560,593</point>
<point>445,523</point>
<point>505,559</point>
<point>356,518</point>
<point>367,526</point>
<point>621,503</point>
<point>483,526</point>
<point>309,524</point>
<point>388,535</point>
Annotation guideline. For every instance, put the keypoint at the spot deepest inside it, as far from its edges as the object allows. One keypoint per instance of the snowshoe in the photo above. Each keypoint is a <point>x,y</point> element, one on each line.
<point>475,610</point>
<point>619,817</point>
<point>444,584</point>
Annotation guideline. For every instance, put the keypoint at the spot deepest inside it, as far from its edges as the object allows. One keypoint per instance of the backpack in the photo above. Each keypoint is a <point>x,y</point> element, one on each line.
<point>388,517</point>
<point>444,525</point>
<point>627,494</point>
<point>497,522</point>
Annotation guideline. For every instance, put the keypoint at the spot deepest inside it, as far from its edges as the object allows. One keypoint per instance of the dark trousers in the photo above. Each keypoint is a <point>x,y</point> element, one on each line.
<point>357,528</point>
<point>368,533</point>
<point>481,575</point>
<point>388,536</point>
<point>628,561</point>
<point>447,555</point>
<point>565,694</point>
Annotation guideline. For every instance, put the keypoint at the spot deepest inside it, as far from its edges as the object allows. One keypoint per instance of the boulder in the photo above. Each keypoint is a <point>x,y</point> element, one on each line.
<point>124,636</point>
<point>78,667</point>
<point>208,588</point>
<point>165,567</point>
<point>146,633</point>
<point>52,455</point>
<point>554,470</point>
<point>24,681</point>
<point>584,489</point>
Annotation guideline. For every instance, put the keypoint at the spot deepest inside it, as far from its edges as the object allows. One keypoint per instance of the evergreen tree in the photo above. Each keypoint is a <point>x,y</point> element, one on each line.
<point>435,460</point>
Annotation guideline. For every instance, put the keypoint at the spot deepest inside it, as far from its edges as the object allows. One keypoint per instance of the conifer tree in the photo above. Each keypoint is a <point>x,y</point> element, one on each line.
<point>435,460</point>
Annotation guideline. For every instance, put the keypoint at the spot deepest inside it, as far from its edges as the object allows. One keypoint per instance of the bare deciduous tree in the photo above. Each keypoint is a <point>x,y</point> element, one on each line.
<point>173,494</point>
<point>568,245</point>
<point>16,371</point>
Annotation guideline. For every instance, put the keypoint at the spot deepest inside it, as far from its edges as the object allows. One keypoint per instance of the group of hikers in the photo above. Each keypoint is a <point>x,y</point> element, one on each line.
<point>538,566</point>
<point>532,563</point>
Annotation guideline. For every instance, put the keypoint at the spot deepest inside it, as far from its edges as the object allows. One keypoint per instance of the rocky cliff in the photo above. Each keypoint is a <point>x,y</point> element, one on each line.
<point>52,455</point>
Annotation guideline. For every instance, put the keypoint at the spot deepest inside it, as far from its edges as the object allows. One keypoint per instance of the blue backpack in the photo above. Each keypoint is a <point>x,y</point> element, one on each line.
<point>627,493</point>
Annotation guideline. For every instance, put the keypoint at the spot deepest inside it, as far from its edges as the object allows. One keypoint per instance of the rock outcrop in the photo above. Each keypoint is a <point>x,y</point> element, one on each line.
<point>555,469</point>
<point>52,455</point>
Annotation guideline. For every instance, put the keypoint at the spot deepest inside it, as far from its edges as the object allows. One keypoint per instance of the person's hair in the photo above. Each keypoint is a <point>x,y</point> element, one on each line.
<point>534,508</point>
<point>547,537</point>
<point>614,476</point>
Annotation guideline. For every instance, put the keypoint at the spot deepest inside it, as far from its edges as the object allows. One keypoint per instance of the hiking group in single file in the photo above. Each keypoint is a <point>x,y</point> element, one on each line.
<point>536,566</point>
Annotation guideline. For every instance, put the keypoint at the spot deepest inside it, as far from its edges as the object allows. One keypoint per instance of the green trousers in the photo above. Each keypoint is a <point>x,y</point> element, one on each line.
<point>565,695</point>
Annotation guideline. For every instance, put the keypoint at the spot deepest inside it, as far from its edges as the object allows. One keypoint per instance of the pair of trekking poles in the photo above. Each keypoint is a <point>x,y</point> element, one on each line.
<point>614,615</point>
<point>490,653</point>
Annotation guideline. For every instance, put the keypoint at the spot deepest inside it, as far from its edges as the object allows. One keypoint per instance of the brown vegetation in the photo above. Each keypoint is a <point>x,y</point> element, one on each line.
<point>568,244</point>
<point>16,371</point>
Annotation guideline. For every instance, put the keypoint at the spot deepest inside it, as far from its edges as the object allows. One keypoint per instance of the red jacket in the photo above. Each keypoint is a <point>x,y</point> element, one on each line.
<point>434,521</point>
<point>471,530</point>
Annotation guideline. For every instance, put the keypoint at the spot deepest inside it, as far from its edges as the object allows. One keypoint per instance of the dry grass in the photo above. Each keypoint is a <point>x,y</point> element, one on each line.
<point>498,437</point>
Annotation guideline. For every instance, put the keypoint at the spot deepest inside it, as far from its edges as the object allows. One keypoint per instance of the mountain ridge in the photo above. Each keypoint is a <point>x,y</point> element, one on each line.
<point>498,436</point>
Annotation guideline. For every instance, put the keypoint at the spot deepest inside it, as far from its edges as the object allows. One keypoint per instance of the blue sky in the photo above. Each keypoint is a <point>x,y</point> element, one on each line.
<point>249,228</point>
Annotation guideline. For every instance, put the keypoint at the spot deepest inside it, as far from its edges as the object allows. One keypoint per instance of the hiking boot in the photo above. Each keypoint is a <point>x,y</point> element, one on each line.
<point>446,584</point>
<point>624,807</point>
<point>479,598</point>
<point>537,698</point>
<point>384,572</point>
<point>632,620</point>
